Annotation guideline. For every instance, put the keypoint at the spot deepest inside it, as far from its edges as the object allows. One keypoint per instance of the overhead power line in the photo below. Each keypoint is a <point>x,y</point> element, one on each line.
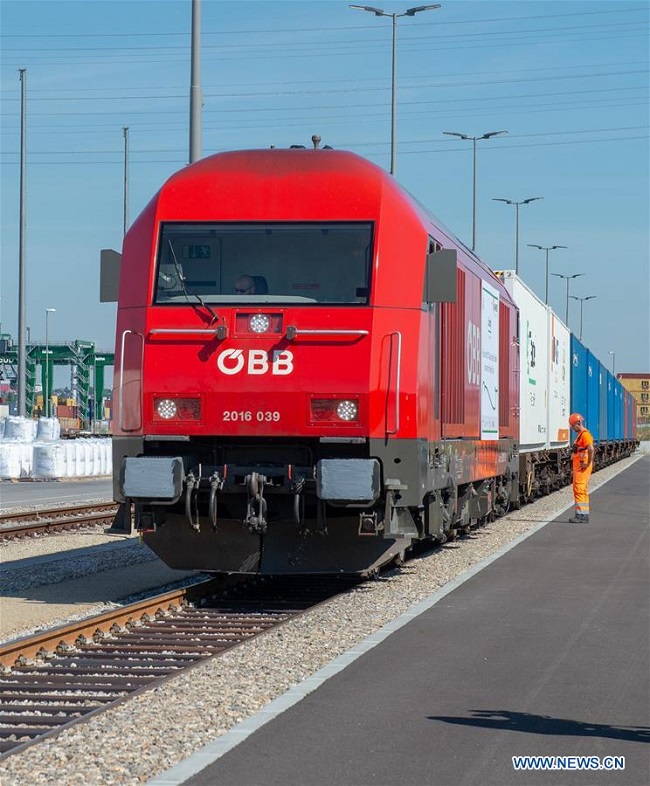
<point>319,29</point>
<point>263,45</point>
<point>275,83</point>
<point>361,145</point>
<point>339,91</point>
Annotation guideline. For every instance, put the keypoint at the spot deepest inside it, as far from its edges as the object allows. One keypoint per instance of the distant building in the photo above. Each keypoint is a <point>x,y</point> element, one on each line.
<point>639,386</point>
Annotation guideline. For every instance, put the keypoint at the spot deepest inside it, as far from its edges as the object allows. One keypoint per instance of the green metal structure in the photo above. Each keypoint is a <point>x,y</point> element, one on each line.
<point>88,366</point>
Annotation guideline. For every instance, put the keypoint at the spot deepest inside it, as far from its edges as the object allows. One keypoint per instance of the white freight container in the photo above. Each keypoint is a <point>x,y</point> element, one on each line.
<point>533,363</point>
<point>559,376</point>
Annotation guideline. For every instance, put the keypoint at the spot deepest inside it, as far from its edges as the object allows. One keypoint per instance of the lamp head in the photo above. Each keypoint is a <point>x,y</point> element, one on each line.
<point>375,11</point>
<point>417,9</point>
<point>492,133</point>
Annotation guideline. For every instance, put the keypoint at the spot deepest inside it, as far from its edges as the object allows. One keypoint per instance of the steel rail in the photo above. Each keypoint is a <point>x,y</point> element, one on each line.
<point>28,647</point>
<point>53,513</point>
<point>61,678</point>
<point>56,520</point>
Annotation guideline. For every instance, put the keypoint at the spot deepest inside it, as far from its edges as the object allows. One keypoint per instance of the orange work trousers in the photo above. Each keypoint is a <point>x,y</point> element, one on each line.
<point>580,486</point>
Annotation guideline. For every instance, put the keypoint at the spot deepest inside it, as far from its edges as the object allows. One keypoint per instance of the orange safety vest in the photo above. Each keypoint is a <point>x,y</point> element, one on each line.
<point>580,447</point>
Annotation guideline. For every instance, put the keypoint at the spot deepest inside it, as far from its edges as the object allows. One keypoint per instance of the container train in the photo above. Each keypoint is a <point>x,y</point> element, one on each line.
<point>312,373</point>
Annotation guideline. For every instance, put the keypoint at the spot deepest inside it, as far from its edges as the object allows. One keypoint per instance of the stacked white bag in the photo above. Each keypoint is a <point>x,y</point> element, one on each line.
<point>16,447</point>
<point>50,460</point>
<point>31,449</point>
<point>18,429</point>
<point>48,429</point>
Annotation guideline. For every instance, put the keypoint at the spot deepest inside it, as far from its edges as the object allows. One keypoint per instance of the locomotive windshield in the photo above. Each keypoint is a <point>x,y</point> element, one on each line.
<point>306,263</point>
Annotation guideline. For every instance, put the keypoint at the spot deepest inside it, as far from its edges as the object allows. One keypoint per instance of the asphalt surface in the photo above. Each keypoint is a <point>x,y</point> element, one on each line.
<point>545,652</point>
<point>27,494</point>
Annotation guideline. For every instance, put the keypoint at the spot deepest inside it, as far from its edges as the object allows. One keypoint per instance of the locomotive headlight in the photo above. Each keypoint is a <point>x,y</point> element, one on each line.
<point>347,410</point>
<point>259,323</point>
<point>335,411</point>
<point>177,408</point>
<point>166,408</point>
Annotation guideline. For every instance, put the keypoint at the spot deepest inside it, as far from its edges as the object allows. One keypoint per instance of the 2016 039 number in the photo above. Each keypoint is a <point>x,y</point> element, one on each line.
<point>246,416</point>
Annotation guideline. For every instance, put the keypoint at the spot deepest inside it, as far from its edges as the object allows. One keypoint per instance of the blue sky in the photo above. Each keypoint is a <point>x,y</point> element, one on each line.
<point>567,80</point>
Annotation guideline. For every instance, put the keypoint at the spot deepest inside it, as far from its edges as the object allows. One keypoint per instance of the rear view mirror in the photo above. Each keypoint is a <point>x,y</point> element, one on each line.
<point>440,277</point>
<point>109,275</point>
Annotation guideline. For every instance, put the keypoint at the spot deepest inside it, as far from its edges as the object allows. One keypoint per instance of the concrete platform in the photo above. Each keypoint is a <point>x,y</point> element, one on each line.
<point>545,652</point>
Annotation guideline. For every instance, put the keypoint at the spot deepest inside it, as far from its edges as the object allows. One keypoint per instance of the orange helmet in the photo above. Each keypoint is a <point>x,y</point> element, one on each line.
<point>575,418</point>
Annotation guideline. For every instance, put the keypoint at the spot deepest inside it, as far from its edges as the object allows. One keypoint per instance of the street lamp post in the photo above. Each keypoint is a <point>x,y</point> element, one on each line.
<point>516,204</point>
<point>46,400</point>
<point>126,178</point>
<point>582,300</point>
<point>474,139</point>
<point>547,249</point>
<point>394,17</point>
<point>568,278</point>
<point>613,354</point>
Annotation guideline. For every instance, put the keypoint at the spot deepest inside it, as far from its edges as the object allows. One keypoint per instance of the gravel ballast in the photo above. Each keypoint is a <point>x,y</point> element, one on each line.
<point>142,738</point>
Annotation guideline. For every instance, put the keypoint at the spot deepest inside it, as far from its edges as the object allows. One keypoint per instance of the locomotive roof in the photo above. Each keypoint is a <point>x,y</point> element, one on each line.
<point>275,163</point>
<point>241,174</point>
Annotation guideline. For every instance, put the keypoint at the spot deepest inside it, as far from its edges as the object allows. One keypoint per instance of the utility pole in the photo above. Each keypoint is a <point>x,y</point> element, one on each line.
<point>22,320</point>
<point>47,392</point>
<point>126,178</point>
<point>196,98</point>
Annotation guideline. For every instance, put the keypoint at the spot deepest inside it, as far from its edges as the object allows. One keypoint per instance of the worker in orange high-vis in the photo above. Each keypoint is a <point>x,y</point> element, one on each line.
<point>583,463</point>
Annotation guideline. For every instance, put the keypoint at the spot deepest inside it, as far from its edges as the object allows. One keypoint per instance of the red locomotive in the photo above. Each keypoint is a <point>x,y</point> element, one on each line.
<point>311,372</point>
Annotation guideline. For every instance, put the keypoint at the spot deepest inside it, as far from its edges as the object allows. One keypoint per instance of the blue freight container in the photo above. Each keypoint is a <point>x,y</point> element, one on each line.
<point>631,404</point>
<point>593,396</point>
<point>602,402</point>
<point>611,408</point>
<point>619,392</point>
<point>578,396</point>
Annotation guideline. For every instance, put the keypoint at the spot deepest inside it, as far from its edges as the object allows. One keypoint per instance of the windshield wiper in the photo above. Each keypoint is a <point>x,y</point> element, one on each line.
<point>181,281</point>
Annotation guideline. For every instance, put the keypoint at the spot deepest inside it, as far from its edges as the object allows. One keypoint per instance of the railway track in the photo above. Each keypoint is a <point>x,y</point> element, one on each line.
<point>57,679</point>
<point>15,525</point>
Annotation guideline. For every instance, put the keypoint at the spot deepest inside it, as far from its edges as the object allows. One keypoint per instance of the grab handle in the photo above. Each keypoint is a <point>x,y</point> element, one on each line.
<point>120,397</point>
<point>398,371</point>
<point>293,332</point>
